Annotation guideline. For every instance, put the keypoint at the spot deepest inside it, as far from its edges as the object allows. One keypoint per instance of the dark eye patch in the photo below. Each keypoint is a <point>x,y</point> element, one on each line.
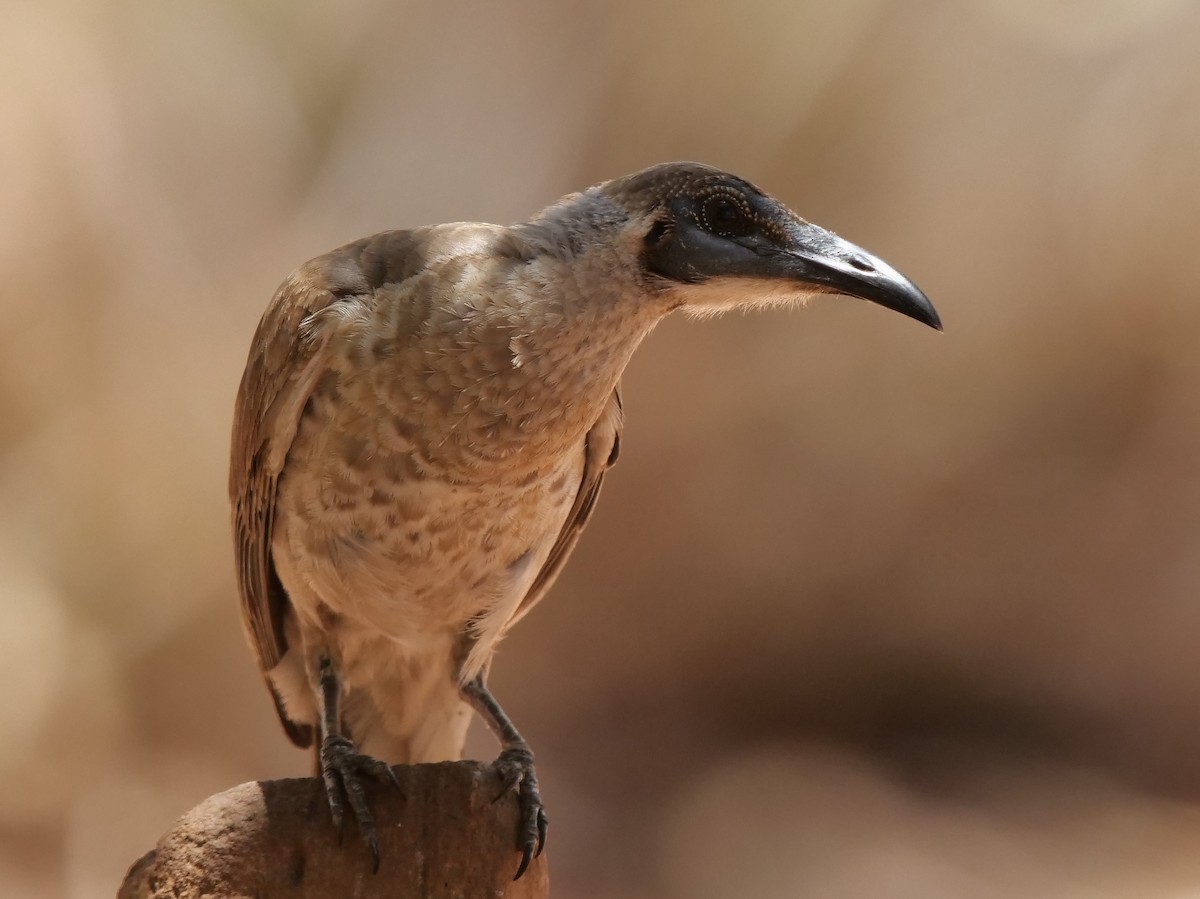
<point>725,215</point>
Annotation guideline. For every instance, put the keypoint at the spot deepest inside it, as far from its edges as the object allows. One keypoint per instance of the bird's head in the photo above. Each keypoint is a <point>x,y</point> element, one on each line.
<point>716,242</point>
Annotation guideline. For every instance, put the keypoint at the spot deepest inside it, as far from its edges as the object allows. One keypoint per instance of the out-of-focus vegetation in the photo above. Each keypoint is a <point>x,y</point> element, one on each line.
<point>865,610</point>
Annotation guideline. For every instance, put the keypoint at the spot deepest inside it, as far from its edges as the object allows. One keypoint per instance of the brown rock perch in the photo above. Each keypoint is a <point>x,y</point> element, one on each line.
<point>445,837</point>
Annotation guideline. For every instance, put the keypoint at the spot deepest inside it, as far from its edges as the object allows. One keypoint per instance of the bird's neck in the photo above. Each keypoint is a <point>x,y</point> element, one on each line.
<point>568,332</point>
<point>512,374</point>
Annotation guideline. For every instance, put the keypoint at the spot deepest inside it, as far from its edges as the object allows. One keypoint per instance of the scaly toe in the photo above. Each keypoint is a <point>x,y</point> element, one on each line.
<point>516,770</point>
<point>343,769</point>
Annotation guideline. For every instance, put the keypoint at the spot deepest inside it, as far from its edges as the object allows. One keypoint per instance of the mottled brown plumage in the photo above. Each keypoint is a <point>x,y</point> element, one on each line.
<point>423,426</point>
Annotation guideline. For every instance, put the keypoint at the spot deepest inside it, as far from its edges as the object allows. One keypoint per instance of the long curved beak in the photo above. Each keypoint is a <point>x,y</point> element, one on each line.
<point>821,258</point>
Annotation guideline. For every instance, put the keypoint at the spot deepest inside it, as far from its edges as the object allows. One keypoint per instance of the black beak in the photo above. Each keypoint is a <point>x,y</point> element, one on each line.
<point>821,258</point>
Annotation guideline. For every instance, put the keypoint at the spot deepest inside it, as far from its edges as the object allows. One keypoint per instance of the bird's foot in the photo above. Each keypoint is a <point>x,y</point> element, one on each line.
<point>342,769</point>
<point>515,767</point>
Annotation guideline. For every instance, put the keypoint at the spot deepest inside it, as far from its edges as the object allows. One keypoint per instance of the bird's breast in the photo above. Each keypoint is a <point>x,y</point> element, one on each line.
<point>440,452</point>
<point>370,528</point>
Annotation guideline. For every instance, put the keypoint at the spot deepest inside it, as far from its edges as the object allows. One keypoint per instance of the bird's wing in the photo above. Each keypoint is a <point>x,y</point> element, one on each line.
<point>287,358</point>
<point>601,448</point>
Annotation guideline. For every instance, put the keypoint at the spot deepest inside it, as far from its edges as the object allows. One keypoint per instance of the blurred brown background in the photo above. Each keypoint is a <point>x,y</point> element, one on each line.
<point>866,611</point>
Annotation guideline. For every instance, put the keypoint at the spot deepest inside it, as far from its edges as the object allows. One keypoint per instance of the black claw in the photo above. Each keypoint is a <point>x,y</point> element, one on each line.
<point>342,769</point>
<point>387,775</point>
<point>542,822</point>
<point>373,846</point>
<point>516,770</point>
<point>524,864</point>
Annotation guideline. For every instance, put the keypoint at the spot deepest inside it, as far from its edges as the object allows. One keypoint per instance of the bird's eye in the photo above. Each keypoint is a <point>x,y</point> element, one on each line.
<point>723,215</point>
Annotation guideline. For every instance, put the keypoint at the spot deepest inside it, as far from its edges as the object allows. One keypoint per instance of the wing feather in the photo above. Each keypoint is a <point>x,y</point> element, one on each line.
<point>287,358</point>
<point>601,449</point>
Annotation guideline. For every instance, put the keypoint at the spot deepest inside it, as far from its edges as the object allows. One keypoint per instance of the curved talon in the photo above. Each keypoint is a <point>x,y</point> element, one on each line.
<point>542,823</point>
<point>342,770</point>
<point>515,766</point>
<point>525,858</point>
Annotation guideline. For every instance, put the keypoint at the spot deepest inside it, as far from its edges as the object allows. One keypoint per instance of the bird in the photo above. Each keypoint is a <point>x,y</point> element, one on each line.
<point>422,429</point>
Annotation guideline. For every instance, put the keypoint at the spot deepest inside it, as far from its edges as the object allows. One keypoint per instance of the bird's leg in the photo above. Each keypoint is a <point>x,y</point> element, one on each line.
<point>515,765</point>
<point>342,764</point>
